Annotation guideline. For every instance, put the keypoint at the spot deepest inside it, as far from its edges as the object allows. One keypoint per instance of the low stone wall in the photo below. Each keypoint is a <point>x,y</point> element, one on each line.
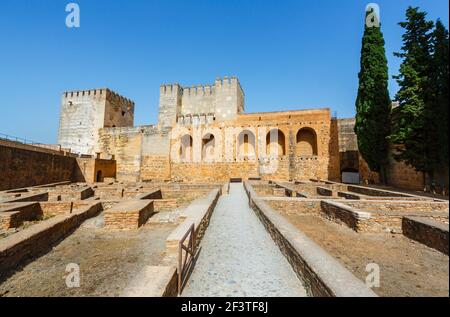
<point>130,214</point>
<point>399,205</point>
<point>375,192</point>
<point>14,215</point>
<point>294,205</point>
<point>150,195</point>
<point>338,212</point>
<point>70,194</point>
<point>162,205</point>
<point>39,238</point>
<point>348,195</point>
<point>387,219</point>
<point>28,197</point>
<point>324,191</point>
<point>50,208</point>
<point>279,192</point>
<point>321,274</point>
<point>197,213</point>
<point>431,233</point>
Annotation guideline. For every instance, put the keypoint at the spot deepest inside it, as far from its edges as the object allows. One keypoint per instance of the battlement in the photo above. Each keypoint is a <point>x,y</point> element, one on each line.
<point>201,90</point>
<point>106,92</point>
<point>169,89</point>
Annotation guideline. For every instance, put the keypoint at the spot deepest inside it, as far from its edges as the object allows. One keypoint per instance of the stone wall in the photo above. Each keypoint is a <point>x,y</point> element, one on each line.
<point>141,153</point>
<point>40,238</point>
<point>295,206</point>
<point>25,168</point>
<point>312,264</point>
<point>129,214</point>
<point>431,233</point>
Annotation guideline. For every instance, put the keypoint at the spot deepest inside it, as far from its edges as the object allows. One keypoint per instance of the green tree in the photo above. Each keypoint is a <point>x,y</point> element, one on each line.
<point>413,133</point>
<point>373,104</point>
<point>440,78</point>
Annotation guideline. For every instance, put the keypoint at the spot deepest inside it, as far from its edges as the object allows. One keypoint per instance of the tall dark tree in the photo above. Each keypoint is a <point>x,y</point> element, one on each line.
<point>440,79</point>
<point>373,104</point>
<point>413,132</point>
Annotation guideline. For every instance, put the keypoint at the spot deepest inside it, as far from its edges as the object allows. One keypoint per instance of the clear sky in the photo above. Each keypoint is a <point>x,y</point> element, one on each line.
<point>287,54</point>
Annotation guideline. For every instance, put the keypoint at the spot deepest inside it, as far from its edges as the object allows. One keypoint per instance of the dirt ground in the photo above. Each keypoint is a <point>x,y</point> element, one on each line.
<point>108,261</point>
<point>407,268</point>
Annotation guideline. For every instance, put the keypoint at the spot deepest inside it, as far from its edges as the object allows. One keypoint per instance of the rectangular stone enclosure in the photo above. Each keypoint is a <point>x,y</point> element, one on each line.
<point>129,214</point>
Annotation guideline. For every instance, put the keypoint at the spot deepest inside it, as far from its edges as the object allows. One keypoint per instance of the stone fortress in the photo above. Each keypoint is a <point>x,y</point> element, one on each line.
<point>276,196</point>
<point>202,134</point>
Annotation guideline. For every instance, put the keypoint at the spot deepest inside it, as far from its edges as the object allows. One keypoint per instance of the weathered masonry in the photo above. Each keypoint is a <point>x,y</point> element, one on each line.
<point>202,134</point>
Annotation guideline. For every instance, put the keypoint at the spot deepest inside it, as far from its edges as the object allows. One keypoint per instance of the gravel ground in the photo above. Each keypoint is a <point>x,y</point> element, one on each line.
<point>407,268</point>
<point>238,257</point>
<point>108,261</point>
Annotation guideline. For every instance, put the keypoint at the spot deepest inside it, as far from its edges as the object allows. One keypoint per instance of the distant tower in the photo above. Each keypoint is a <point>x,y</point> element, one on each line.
<point>222,101</point>
<point>84,112</point>
<point>169,105</point>
<point>229,101</point>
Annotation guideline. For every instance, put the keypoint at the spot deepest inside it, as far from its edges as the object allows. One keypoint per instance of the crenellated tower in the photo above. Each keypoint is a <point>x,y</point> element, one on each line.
<point>221,101</point>
<point>84,112</point>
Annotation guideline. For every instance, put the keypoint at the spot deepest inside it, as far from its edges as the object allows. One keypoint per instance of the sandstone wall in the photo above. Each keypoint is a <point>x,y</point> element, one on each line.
<point>24,168</point>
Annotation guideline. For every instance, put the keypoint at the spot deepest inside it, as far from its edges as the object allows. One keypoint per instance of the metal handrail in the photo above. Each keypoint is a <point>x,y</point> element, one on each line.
<point>29,142</point>
<point>184,263</point>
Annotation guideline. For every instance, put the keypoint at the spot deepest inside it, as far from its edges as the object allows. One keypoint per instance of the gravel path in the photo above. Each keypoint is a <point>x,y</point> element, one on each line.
<point>238,257</point>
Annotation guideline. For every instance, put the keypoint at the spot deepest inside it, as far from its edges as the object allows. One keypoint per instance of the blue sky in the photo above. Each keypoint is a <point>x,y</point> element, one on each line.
<point>287,54</point>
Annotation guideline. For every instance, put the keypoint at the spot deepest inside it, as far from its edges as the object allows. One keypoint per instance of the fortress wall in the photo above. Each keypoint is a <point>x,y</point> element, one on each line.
<point>196,100</point>
<point>228,161</point>
<point>155,163</point>
<point>23,168</point>
<point>125,145</point>
<point>141,153</point>
<point>398,173</point>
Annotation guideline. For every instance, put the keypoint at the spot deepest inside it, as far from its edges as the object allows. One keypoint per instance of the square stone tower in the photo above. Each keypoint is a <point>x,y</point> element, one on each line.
<point>84,112</point>
<point>222,101</point>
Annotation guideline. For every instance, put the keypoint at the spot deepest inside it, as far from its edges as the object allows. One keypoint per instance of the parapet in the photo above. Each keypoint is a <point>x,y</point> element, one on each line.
<point>202,90</point>
<point>169,89</point>
<point>109,95</point>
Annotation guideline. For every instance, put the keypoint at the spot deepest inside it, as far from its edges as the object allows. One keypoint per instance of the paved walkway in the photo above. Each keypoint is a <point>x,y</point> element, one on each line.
<point>238,256</point>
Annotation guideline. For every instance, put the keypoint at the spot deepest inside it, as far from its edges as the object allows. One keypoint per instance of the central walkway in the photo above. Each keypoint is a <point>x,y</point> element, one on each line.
<point>238,257</point>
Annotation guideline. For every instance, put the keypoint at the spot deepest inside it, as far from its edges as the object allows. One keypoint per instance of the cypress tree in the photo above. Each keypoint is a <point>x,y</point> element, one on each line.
<point>413,133</point>
<point>373,104</point>
<point>440,78</point>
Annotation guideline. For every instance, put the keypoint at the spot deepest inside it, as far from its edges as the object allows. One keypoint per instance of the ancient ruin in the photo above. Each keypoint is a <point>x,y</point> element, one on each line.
<point>211,201</point>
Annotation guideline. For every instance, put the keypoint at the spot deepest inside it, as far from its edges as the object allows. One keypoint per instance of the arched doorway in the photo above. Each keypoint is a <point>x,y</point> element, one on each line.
<point>99,177</point>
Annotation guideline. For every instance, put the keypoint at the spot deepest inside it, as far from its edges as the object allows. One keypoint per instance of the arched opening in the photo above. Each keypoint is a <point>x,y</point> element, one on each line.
<point>306,142</point>
<point>246,145</point>
<point>275,143</point>
<point>186,148</point>
<point>208,147</point>
<point>99,177</point>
